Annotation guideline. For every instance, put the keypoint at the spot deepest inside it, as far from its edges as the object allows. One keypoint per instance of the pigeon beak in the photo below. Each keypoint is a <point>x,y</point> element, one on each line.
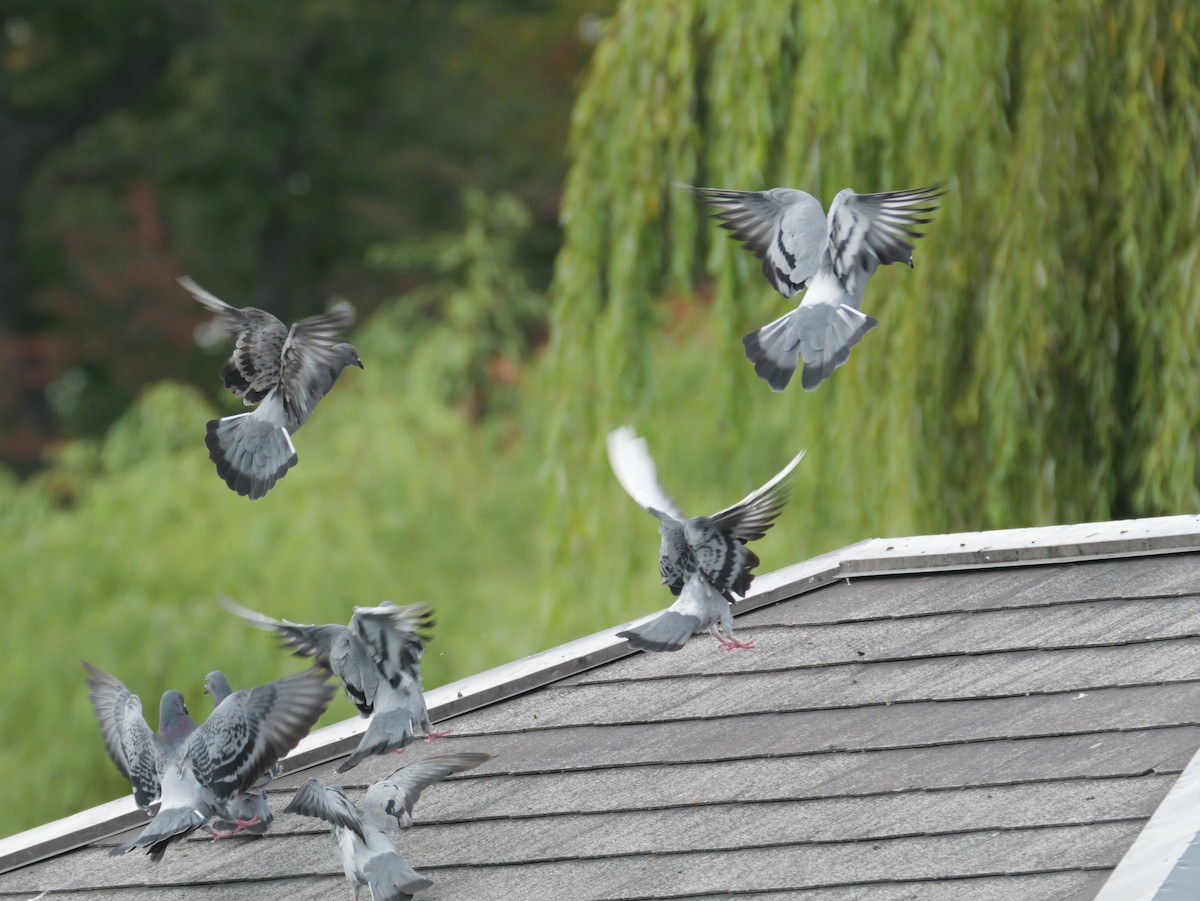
<point>360,365</point>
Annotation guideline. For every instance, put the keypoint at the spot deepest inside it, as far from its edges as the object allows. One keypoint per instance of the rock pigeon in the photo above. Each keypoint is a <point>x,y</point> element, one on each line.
<point>833,256</point>
<point>285,372</point>
<point>377,657</point>
<point>246,812</point>
<point>196,774</point>
<point>368,854</point>
<point>704,560</point>
<point>139,753</point>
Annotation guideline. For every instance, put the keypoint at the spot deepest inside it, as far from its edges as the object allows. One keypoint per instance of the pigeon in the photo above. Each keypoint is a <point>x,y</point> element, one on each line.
<point>246,812</point>
<point>368,854</point>
<point>285,372</point>
<point>197,774</point>
<point>139,753</point>
<point>377,657</point>
<point>704,560</point>
<point>394,636</point>
<point>832,256</point>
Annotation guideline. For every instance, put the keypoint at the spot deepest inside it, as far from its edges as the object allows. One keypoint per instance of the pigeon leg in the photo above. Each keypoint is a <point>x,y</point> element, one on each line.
<point>436,733</point>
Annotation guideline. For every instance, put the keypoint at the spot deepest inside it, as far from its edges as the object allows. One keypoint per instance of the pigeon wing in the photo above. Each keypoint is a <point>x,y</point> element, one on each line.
<point>783,227</point>
<point>389,802</point>
<point>328,803</point>
<point>312,358</point>
<point>130,742</point>
<point>870,230</point>
<point>634,468</point>
<point>394,637</point>
<point>253,370</point>
<point>675,558</point>
<point>751,517</point>
<point>252,729</point>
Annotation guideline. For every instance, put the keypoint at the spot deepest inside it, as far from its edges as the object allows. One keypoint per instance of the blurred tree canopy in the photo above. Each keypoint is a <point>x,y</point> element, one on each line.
<point>1040,364</point>
<point>262,147</point>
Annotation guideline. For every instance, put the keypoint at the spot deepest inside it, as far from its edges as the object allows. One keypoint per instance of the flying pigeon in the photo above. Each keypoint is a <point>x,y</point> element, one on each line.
<point>832,256</point>
<point>704,560</point>
<point>196,774</point>
<point>368,854</point>
<point>285,372</point>
<point>377,657</point>
<point>246,812</point>
<point>139,753</point>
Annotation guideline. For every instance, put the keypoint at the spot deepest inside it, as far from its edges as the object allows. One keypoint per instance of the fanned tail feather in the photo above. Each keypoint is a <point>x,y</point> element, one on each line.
<point>827,332</point>
<point>774,350</point>
<point>251,453</point>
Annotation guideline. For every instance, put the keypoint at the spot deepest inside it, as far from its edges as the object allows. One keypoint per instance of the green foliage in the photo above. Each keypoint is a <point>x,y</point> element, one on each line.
<point>473,322</point>
<point>1039,364</point>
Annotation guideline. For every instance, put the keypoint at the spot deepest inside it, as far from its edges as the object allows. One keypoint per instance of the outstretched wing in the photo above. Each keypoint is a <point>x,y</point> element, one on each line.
<point>871,230</point>
<point>312,358</point>
<point>389,802</point>
<point>328,803</point>
<point>332,646</point>
<point>783,227</point>
<point>250,730</point>
<point>130,742</point>
<point>253,370</point>
<point>634,468</point>
<point>718,542</point>
<point>751,517</point>
<point>394,637</point>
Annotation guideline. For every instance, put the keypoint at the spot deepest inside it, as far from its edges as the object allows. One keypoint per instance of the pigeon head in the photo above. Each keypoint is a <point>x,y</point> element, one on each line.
<point>173,719</point>
<point>217,685</point>
<point>347,356</point>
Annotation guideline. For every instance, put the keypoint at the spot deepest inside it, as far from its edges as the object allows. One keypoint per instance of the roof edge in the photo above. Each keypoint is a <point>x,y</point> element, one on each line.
<point>871,557</point>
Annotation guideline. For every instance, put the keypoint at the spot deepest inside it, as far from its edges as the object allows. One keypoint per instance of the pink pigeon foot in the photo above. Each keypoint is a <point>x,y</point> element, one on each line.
<point>239,825</point>
<point>436,733</point>
<point>729,644</point>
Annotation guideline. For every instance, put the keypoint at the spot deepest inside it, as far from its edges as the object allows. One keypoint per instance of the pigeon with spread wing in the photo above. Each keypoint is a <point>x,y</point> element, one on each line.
<point>368,854</point>
<point>195,771</point>
<point>704,560</point>
<point>832,256</point>
<point>285,372</point>
<point>378,659</point>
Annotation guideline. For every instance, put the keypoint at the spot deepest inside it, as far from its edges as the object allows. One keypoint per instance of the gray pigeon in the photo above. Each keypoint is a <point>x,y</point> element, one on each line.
<point>335,647</point>
<point>285,372</point>
<point>246,812</point>
<point>242,739</point>
<point>833,256</point>
<point>368,854</point>
<point>377,657</point>
<point>395,637</point>
<point>704,560</point>
<point>140,754</point>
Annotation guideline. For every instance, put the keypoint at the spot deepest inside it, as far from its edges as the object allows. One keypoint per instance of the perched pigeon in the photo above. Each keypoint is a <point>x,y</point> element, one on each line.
<point>246,812</point>
<point>833,256</point>
<point>286,372</point>
<point>704,560</point>
<point>197,774</point>
<point>368,854</point>
<point>377,657</point>
<point>140,754</point>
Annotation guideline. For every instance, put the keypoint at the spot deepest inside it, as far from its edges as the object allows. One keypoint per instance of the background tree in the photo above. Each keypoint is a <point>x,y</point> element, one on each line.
<point>261,147</point>
<point>1038,366</point>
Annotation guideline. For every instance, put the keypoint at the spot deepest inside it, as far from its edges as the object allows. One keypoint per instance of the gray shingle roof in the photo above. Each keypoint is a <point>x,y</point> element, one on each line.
<point>998,732</point>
